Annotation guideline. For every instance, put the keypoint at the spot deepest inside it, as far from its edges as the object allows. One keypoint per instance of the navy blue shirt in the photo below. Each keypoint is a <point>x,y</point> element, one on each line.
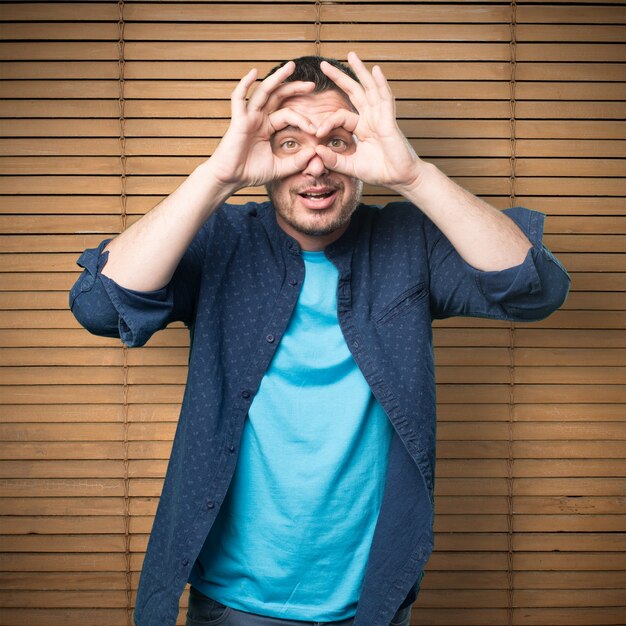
<point>235,288</point>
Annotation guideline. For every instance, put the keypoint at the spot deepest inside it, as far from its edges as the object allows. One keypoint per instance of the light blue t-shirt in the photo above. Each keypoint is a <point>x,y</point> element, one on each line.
<point>294,533</point>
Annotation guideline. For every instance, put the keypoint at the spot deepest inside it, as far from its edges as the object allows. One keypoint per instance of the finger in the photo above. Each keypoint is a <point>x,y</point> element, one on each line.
<point>290,165</point>
<point>362,74</point>
<point>269,85</point>
<point>381,83</point>
<point>288,90</point>
<point>345,83</point>
<point>238,96</point>
<point>342,118</point>
<point>288,117</point>
<point>334,161</point>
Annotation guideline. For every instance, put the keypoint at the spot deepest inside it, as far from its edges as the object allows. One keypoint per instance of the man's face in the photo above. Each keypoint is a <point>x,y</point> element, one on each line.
<point>314,206</point>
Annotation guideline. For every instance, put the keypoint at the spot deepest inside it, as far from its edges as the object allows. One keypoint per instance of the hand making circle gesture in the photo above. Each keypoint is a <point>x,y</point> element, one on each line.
<point>383,155</point>
<point>244,156</point>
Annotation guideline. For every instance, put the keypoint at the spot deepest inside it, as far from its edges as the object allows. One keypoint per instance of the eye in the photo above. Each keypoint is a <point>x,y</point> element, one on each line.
<point>337,143</point>
<point>289,144</point>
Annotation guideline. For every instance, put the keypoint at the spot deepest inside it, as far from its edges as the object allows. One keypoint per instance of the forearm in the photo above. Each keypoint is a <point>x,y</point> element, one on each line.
<point>484,237</point>
<point>145,256</point>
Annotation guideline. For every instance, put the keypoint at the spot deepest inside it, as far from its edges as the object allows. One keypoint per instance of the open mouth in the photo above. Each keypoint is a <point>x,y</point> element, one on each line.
<point>318,199</point>
<point>318,196</point>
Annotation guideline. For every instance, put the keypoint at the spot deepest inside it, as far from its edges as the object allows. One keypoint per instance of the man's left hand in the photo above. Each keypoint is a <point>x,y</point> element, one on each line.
<point>383,155</point>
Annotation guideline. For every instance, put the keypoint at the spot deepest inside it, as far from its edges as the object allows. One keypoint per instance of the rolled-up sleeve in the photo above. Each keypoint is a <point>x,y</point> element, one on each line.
<point>105,308</point>
<point>526,292</point>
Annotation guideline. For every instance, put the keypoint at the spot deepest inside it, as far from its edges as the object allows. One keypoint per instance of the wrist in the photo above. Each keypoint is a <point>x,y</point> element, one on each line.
<point>417,183</point>
<point>213,183</point>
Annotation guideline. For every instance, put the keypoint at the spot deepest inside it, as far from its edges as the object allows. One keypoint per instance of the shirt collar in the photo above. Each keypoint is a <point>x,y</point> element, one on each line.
<point>340,251</point>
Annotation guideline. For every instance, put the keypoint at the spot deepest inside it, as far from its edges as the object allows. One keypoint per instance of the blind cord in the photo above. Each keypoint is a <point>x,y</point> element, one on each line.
<point>512,100</point>
<point>123,216</point>
<point>318,28</point>
<point>511,407</point>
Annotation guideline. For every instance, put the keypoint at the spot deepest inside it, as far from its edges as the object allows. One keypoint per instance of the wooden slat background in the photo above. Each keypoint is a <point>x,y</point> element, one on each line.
<point>531,522</point>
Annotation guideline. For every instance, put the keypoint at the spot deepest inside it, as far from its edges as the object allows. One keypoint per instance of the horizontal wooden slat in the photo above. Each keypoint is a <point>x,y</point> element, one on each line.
<point>97,487</point>
<point>469,599</point>
<point>563,32</point>
<point>60,69</point>
<point>77,562</point>
<point>570,52</point>
<point>50,412</point>
<point>60,525</point>
<point>535,412</point>
<point>91,99</point>
<point>569,580</point>
<point>78,338</point>
<point>232,70</point>
<point>253,12</point>
<point>386,12</point>
<point>573,15</point>
<point>59,11</point>
<point>473,449</point>
<point>554,71</point>
<point>55,599</point>
<point>60,581</point>
<point>69,617</point>
<point>65,51</point>
<point>64,432</point>
<point>286,50</point>
<point>540,505</point>
<point>93,31</point>
<point>306,32</point>
<point>62,469</point>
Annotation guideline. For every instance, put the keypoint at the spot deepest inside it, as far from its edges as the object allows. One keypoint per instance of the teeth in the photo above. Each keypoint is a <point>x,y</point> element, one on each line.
<point>318,195</point>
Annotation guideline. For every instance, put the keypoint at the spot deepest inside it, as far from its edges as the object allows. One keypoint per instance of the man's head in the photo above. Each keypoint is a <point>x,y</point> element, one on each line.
<point>315,205</point>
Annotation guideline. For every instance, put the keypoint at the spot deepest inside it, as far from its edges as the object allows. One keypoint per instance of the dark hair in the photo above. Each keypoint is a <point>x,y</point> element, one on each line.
<point>308,69</point>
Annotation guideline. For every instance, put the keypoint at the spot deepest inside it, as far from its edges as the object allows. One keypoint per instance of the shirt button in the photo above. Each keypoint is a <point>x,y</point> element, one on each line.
<point>270,338</point>
<point>355,345</point>
<point>185,562</point>
<point>210,504</point>
<point>231,448</point>
<point>293,282</point>
<point>245,394</point>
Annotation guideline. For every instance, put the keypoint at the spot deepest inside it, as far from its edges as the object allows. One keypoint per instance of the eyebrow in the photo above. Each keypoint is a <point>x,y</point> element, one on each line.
<point>297,129</point>
<point>289,129</point>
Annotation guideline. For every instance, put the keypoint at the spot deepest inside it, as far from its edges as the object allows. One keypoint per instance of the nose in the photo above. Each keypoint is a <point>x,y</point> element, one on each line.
<point>315,167</point>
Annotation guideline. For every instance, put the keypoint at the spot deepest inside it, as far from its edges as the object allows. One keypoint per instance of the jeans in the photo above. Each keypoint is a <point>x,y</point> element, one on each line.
<point>204,611</point>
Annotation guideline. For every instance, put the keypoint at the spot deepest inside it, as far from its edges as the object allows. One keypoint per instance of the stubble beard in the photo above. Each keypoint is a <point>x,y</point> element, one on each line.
<point>285,209</point>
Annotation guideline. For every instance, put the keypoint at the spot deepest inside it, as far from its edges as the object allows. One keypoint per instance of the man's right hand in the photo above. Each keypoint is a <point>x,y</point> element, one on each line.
<point>145,256</point>
<point>244,156</point>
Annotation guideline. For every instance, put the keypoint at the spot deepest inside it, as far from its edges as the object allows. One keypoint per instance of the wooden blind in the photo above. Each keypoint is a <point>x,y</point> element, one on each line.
<point>108,106</point>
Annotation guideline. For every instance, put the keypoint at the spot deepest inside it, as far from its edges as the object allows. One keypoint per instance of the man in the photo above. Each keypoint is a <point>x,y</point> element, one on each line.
<point>300,485</point>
